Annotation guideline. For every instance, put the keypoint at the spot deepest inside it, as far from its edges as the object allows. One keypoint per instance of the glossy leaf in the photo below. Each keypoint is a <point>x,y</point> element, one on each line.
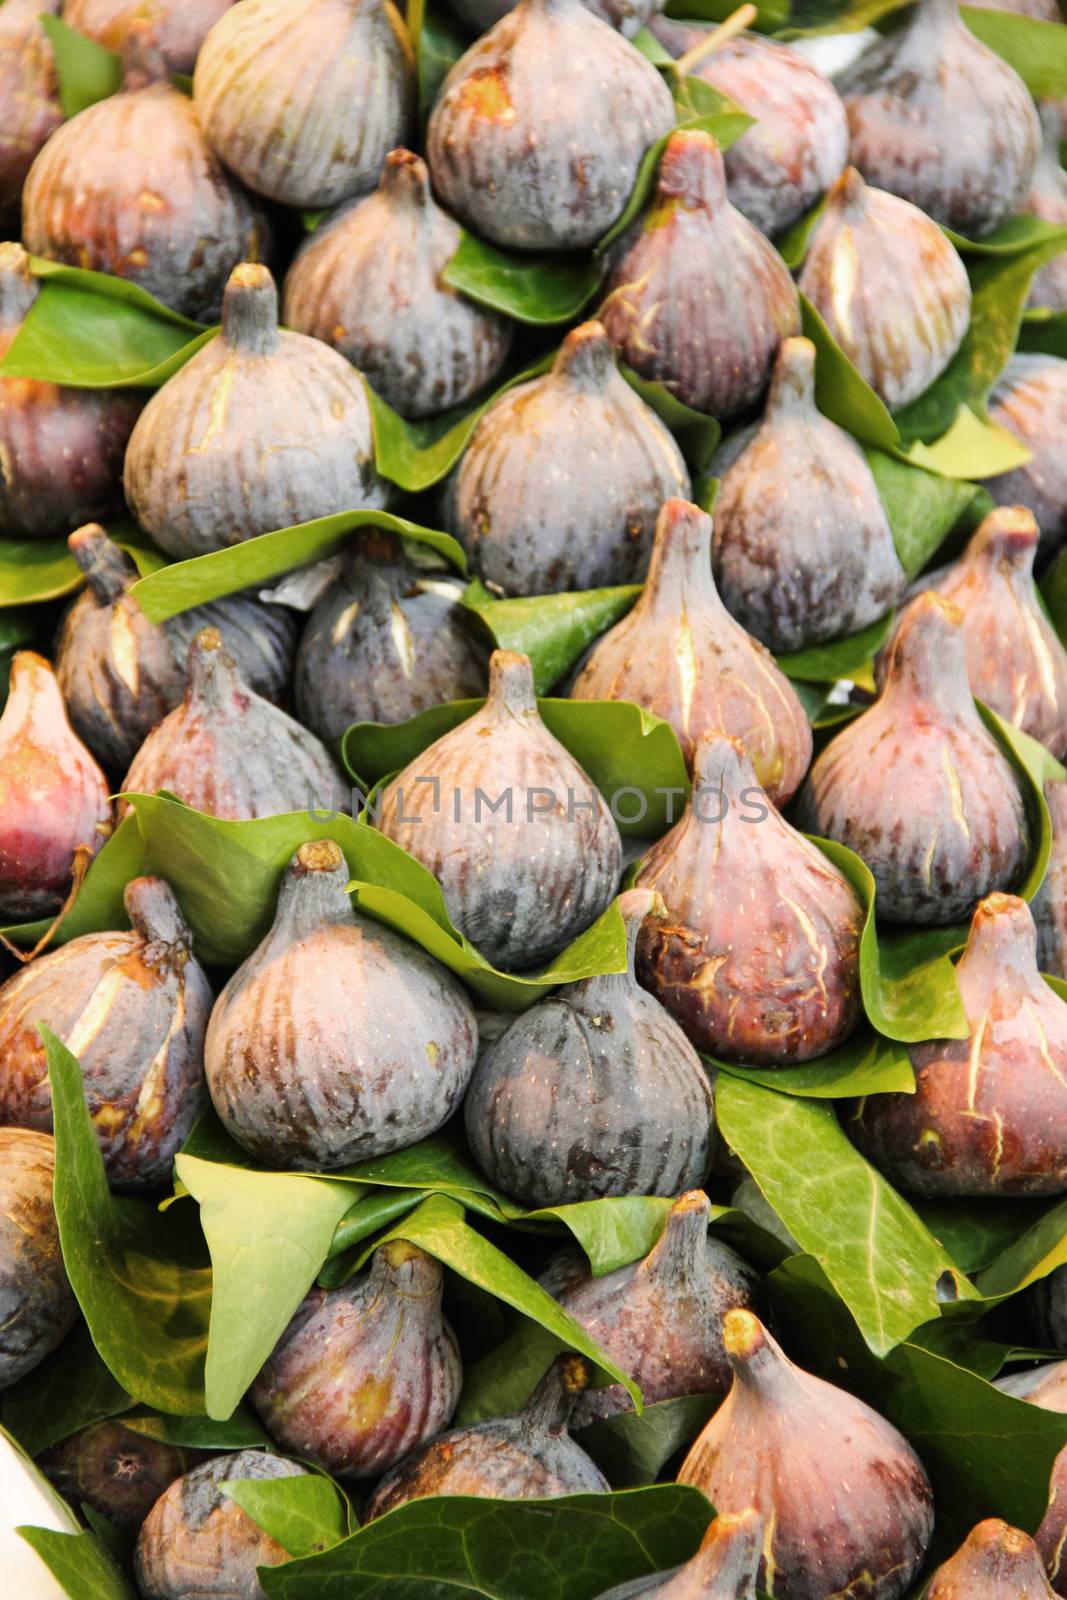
<point>923,507</point>
<point>697,435</point>
<point>80,1563</point>
<point>1032,1256</point>
<point>1037,50</point>
<point>840,392</point>
<point>36,570</point>
<point>864,1064</point>
<point>304,1515</point>
<point>239,1432</point>
<point>86,71</point>
<point>554,630</point>
<point>542,290</point>
<point>842,658</point>
<point>977,1232</point>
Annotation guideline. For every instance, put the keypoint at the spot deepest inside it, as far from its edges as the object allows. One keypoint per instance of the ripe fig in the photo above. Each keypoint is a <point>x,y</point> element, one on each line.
<point>942,121</point>
<point>1048,199</point>
<point>917,787</point>
<point>538,160</point>
<point>712,675</point>
<point>227,751</point>
<point>337,1040</point>
<point>523,881</point>
<point>29,98</point>
<point>724,1568</point>
<point>120,1474</point>
<point>369,282</point>
<point>365,1373</point>
<point>994,1562</point>
<point>526,1456</point>
<point>889,286</point>
<point>563,478</point>
<point>53,796</point>
<point>37,1305</point>
<point>843,1497</point>
<point>1049,905</point>
<point>1044,1386</point>
<point>757,955</point>
<point>261,429</point>
<point>179,27</point>
<point>133,1007</point>
<point>302,99</point>
<point>1051,1536</point>
<point>1030,400</point>
<point>698,300</point>
<point>627,16</point>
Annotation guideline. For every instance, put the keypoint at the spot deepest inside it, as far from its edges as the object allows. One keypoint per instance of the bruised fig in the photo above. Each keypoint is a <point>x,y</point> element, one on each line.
<point>261,429</point>
<point>227,751</point>
<point>369,282</point>
<point>337,1040</point>
<point>133,1007</point>
<point>523,845</point>
<point>1048,200</point>
<point>994,1562</point>
<point>844,1499</point>
<point>53,796</point>
<point>889,286</point>
<point>117,1472</point>
<point>37,1304</point>
<point>179,27</point>
<point>1044,1386</point>
<point>536,158</point>
<point>724,1568</point>
<point>698,300</point>
<point>30,111</point>
<point>364,1373</point>
<point>526,1456</point>
<point>595,1091</point>
<point>1051,1536</point>
<point>1049,905</point>
<point>1030,400</point>
<point>917,787</point>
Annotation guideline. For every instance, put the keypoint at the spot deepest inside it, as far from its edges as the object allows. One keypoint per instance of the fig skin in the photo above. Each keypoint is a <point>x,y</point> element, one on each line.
<point>526,1456</point>
<point>889,286</point>
<point>366,1373</point>
<point>1051,1536</point>
<point>803,549</point>
<point>1044,1386</point>
<point>1030,400</point>
<point>118,1472</point>
<point>995,1562</point>
<point>179,27</point>
<point>1049,905</point>
<point>521,881</point>
<point>369,282</point>
<point>302,99</point>
<point>698,300</point>
<point>724,1568</point>
<point>917,787</point>
<point>938,119</point>
<point>260,430</point>
<point>53,796</point>
<point>1048,200</point>
<point>337,1040</point>
<point>37,1304</point>
<point>534,159</point>
<point>595,1091</point>
<point>757,955</point>
<point>133,1007</point>
<point>30,111</point>
<point>843,1496</point>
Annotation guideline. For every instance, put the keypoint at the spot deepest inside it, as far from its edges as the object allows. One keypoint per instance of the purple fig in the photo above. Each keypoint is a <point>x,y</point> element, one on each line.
<point>1048,200</point>
<point>994,1562</point>
<point>179,27</point>
<point>30,111</point>
<point>1049,905</point>
<point>37,1305</point>
<point>1030,401</point>
<point>118,1473</point>
<point>1051,1536</point>
<point>1044,1386</point>
<point>724,1568</point>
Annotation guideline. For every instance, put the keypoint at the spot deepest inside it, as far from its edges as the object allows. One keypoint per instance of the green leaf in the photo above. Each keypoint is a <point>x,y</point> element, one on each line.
<point>80,1564</point>
<point>1013,238</point>
<point>923,507</point>
<point>976,1232</point>
<point>697,435</point>
<point>826,663</point>
<point>613,1231</point>
<point>865,1064</point>
<point>540,290</point>
<point>1044,332</point>
<point>305,1515</point>
<point>239,1432</point>
<point>840,392</point>
<point>631,1450</point>
<point>973,447</point>
<point>45,1406</point>
<point>1037,50</point>
<point>86,71</point>
<point>99,904</point>
<point>1054,593</point>
<point>439,42</point>
<point>1035,766</point>
<point>1039,1251</point>
<point>793,244</point>
<point>552,629</point>
<point>35,570</point>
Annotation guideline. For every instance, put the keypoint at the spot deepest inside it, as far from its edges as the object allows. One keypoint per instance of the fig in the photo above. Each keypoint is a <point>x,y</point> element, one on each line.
<point>1030,400</point>
<point>938,119</point>
<point>369,282</point>
<point>712,675</point>
<point>844,1499</point>
<point>227,751</point>
<point>917,787</point>
<point>1048,199</point>
<point>62,448</point>
<point>523,845</point>
<point>37,1304</point>
<point>994,1562</point>
<point>698,299</point>
<point>628,16</point>
<point>1044,1386</point>
<point>595,1091</point>
<point>1049,905</point>
<point>526,1456</point>
<point>179,27</point>
<point>563,478</point>
<point>337,1040</point>
<point>53,796</point>
<point>29,98</point>
<point>1051,1536</point>
<point>365,1373</point>
<point>757,954</point>
<point>133,1007</point>
<point>302,99</point>
<point>120,674</point>
<point>724,1568</point>
<point>129,186</point>
<point>260,430</point>
<point>117,1472</point>
<point>889,286</point>
<point>536,159</point>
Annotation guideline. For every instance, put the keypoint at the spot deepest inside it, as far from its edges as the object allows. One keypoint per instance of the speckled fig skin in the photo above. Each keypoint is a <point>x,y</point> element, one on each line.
<point>682,656</point>
<point>37,1304</point>
<point>1044,1386</point>
<point>521,881</point>
<point>1048,200</point>
<point>369,282</point>
<point>53,796</point>
<point>228,752</point>
<point>938,119</point>
<point>918,787</point>
<point>119,1473</point>
<point>61,448</point>
<point>1049,905</point>
<point>366,1373</point>
<point>724,1568</point>
<point>563,478</point>
<point>526,1456</point>
<point>337,1040</point>
<point>29,98</point>
<point>698,300</point>
<point>994,1562</point>
<point>889,286</point>
<point>533,158</point>
<point>844,1498</point>
<point>302,99</point>
<point>261,429</point>
<point>628,17</point>
<point>1030,400</point>
<point>1051,1536</point>
<point>197,1543</point>
<point>179,27</point>
<point>133,1007</point>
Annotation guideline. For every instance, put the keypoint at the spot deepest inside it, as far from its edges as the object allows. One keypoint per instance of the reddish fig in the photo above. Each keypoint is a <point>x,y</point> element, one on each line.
<point>1030,400</point>
<point>118,1473</point>
<point>724,1568</point>
<point>29,98</point>
<point>1051,1536</point>
<point>1044,1386</point>
<point>1049,905</point>
<point>994,1562</point>
<point>1048,200</point>
<point>37,1305</point>
<point>179,27</point>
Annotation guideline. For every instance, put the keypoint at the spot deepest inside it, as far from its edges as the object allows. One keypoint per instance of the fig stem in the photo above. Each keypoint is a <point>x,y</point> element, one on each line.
<point>735,23</point>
